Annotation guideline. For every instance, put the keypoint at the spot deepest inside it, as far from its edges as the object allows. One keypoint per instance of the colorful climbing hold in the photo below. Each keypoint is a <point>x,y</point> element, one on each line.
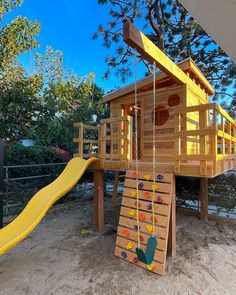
<point>123,254</point>
<point>149,227</point>
<point>134,174</point>
<point>135,260</point>
<point>141,238</point>
<point>155,219</point>
<point>142,216</point>
<point>135,227</point>
<point>140,186</point>
<point>137,204</point>
<point>132,212</point>
<point>129,246</point>
<point>159,199</point>
<point>159,177</point>
<point>133,193</point>
<point>147,176</point>
<point>126,233</point>
<point>149,206</point>
<point>154,187</point>
<point>147,195</point>
<point>150,266</point>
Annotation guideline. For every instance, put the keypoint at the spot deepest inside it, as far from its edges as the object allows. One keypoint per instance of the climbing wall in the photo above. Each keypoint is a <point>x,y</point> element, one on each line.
<point>126,241</point>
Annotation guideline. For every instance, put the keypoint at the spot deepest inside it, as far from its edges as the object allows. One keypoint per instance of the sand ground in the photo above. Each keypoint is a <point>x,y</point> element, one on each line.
<point>65,256</point>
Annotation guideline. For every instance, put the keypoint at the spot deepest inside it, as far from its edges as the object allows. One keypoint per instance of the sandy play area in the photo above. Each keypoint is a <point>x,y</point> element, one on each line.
<point>65,256</point>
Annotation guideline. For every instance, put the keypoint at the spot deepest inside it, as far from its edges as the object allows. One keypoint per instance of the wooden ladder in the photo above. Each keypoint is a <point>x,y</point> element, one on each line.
<point>126,241</point>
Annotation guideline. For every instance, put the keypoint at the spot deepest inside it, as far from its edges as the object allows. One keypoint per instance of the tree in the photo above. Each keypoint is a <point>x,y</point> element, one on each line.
<point>44,105</point>
<point>174,31</point>
<point>16,37</point>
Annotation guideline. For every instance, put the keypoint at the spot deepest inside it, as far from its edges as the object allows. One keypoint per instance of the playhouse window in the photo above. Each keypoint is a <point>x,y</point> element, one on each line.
<point>162,115</point>
<point>173,100</point>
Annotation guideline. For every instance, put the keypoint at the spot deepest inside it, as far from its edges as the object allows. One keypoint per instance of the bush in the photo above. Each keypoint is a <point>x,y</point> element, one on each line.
<point>21,155</point>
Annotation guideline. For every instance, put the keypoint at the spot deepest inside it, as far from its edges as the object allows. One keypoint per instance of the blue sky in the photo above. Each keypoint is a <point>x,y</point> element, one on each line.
<point>68,25</point>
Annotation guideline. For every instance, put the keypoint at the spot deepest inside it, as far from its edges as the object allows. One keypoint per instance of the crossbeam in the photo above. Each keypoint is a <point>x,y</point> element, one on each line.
<point>137,40</point>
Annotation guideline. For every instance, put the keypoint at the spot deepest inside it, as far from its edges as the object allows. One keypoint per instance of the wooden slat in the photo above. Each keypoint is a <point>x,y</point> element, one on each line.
<point>167,177</point>
<point>165,198</point>
<point>159,209</point>
<point>158,269</point>
<point>161,220</point>
<point>130,223</point>
<point>147,185</point>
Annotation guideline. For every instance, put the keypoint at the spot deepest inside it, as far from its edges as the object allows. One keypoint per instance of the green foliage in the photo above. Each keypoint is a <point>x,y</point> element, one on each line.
<point>16,37</point>
<point>172,28</point>
<point>44,105</point>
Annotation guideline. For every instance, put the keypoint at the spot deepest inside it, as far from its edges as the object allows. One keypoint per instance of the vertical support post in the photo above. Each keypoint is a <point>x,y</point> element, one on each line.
<point>204,199</point>
<point>172,225</point>
<point>115,188</point>
<point>1,181</point>
<point>98,199</point>
<point>203,147</point>
<point>81,143</point>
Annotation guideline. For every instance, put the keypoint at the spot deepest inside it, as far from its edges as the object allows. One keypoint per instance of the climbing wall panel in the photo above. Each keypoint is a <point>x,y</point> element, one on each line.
<point>126,241</point>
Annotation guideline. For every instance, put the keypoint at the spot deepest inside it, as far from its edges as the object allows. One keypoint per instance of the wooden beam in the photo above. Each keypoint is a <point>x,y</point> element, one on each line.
<point>98,200</point>
<point>152,53</point>
<point>115,189</point>
<point>172,225</point>
<point>204,199</point>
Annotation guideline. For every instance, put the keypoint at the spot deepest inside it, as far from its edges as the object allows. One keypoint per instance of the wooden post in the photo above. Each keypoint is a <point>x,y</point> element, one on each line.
<point>204,199</point>
<point>1,181</point>
<point>115,189</point>
<point>98,200</point>
<point>172,226</point>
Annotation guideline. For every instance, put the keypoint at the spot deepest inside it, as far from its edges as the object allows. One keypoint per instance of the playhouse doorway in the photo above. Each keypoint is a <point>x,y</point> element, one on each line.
<point>129,110</point>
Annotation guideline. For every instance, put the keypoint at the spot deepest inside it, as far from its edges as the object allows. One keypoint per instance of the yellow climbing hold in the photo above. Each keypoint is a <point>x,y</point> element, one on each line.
<point>132,212</point>
<point>149,227</point>
<point>133,193</point>
<point>154,187</point>
<point>147,176</point>
<point>129,246</point>
<point>150,266</point>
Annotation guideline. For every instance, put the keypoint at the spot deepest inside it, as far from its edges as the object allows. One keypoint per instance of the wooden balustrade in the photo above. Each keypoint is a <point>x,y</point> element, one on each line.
<point>87,147</point>
<point>204,134</point>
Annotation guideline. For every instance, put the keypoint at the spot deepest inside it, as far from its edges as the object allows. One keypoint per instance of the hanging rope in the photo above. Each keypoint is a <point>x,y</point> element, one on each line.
<point>136,147</point>
<point>154,148</point>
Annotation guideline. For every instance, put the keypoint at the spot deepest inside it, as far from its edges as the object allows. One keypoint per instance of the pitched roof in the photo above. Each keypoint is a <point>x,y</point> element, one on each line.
<point>162,80</point>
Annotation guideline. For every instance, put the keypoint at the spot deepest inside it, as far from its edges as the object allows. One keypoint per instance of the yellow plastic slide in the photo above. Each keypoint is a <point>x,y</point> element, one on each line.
<point>25,223</point>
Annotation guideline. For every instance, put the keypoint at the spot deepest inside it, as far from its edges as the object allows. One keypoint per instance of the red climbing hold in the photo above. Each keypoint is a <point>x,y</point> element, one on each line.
<point>142,216</point>
<point>134,174</point>
<point>159,199</point>
<point>141,238</point>
<point>126,233</point>
<point>135,260</point>
<point>147,195</point>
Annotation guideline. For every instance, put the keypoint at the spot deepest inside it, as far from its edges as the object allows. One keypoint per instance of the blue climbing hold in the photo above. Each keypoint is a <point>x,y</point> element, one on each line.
<point>149,206</point>
<point>123,254</point>
<point>135,227</point>
<point>159,177</point>
<point>140,186</point>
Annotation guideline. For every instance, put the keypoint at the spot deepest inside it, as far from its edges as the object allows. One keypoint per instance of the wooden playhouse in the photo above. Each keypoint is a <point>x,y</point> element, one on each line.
<point>193,138</point>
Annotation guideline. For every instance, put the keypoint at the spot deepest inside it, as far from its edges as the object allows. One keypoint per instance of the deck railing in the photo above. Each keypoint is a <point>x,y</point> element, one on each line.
<point>113,140</point>
<point>204,133</point>
<point>87,140</point>
<point>116,139</point>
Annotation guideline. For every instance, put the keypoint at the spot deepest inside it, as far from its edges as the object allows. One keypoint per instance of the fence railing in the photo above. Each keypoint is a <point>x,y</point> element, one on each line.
<point>8,180</point>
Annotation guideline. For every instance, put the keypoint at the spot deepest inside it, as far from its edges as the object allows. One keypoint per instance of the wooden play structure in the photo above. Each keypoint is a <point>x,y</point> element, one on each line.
<point>193,137</point>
